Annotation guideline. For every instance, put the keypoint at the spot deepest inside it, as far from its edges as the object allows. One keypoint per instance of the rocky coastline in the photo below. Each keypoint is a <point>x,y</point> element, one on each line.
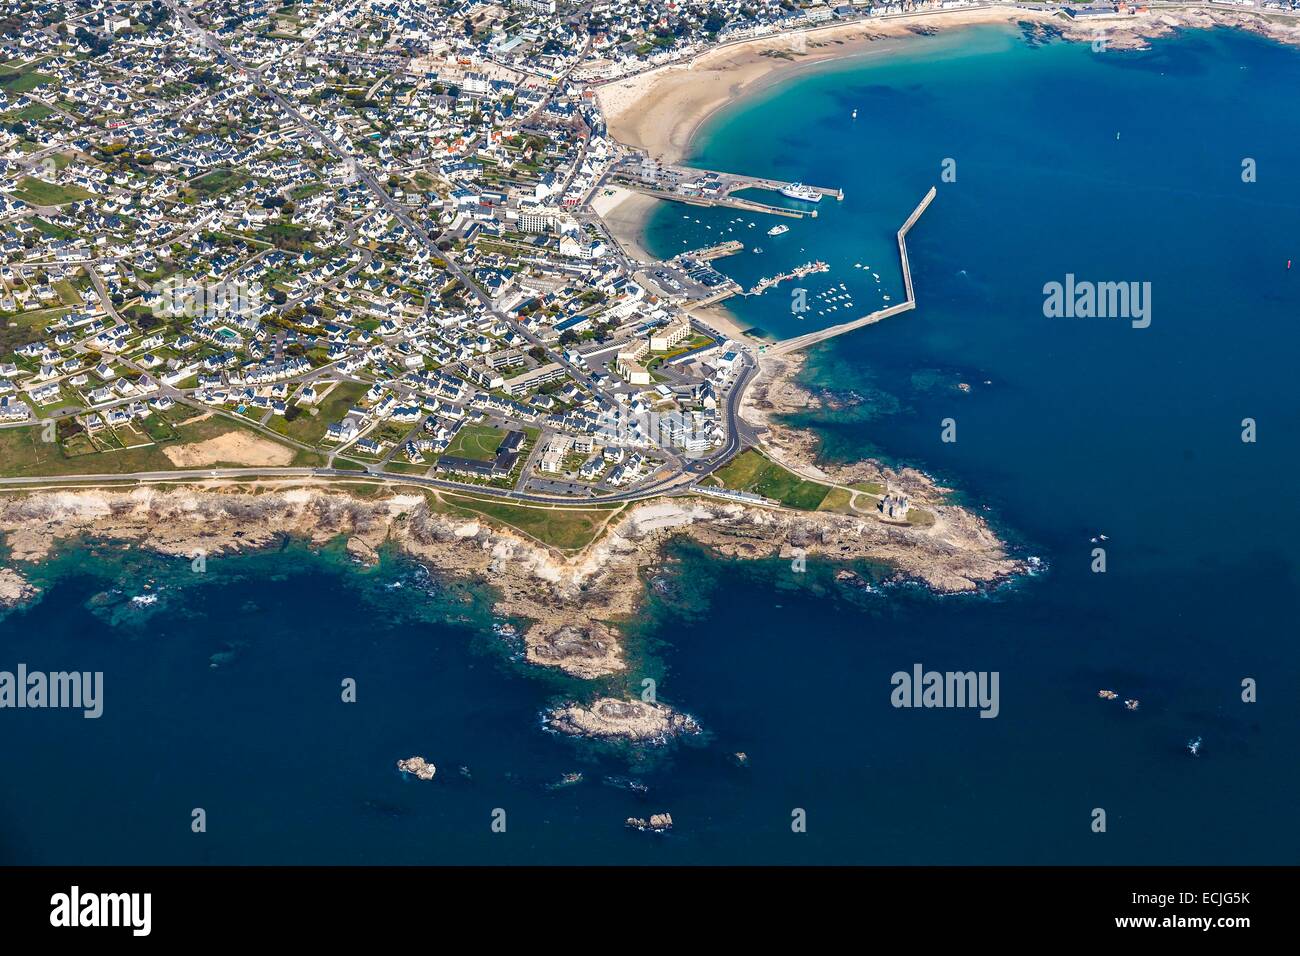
<point>14,589</point>
<point>574,604</point>
<point>776,392</point>
<point>1135,31</point>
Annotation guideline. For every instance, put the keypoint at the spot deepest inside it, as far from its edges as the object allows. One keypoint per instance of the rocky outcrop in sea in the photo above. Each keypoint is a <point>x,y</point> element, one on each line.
<point>631,721</point>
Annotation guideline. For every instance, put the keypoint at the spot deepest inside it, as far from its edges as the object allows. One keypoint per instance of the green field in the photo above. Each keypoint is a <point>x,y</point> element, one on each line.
<point>55,232</point>
<point>17,330</point>
<point>37,192</point>
<point>479,442</point>
<point>24,454</point>
<point>870,487</point>
<point>759,475</point>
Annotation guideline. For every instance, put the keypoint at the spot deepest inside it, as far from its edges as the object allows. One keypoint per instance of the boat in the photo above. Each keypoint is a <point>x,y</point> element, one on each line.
<point>801,192</point>
<point>1194,746</point>
<point>778,230</point>
<point>855,114</point>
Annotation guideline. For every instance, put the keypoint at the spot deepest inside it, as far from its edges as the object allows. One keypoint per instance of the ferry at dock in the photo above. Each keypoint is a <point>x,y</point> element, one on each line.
<point>801,192</point>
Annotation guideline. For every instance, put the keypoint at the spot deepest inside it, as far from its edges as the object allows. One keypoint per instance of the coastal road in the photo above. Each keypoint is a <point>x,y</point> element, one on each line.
<point>667,486</point>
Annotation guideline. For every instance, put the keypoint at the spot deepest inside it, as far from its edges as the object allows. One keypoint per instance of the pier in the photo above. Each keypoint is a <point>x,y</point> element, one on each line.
<point>808,268</point>
<point>704,187</point>
<point>812,338</point>
<point>709,253</point>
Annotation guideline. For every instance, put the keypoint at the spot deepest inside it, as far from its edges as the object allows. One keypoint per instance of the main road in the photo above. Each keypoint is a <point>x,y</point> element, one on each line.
<point>666,486</point>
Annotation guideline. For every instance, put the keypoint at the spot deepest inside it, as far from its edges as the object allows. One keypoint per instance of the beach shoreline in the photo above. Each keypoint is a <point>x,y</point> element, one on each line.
<point>661,111</point>
<point>625,214</point>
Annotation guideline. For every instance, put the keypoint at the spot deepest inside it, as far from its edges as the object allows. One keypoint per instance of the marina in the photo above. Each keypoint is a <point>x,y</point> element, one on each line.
<point>909,303</point>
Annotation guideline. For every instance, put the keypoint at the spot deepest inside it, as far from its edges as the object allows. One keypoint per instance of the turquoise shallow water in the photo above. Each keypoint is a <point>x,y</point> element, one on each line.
<point>1085,426</point>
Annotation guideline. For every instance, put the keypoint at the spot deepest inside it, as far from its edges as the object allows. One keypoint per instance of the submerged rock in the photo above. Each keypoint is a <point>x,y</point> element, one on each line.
<point>566,780</point>
<point>626,783</point>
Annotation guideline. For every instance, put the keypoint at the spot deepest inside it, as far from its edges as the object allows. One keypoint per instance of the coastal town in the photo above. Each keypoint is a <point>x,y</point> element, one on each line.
<point>365,273</point>
<point>390,288</point>
<point>370,238</point>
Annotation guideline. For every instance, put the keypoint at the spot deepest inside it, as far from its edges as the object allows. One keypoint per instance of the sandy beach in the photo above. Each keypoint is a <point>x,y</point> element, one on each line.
<point>660,111</point>
<point>625,214</point>
<point>722,319</point>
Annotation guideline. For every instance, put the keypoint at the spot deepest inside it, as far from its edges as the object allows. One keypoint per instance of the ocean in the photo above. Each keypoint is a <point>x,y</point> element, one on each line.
<point>224,695</point>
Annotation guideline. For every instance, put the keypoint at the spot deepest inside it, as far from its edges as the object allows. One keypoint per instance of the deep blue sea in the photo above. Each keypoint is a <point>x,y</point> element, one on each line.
<point>1112,166</point>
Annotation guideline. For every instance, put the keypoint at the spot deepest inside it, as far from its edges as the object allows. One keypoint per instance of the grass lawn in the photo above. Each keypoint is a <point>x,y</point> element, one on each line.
<point>922,519</point>
<point>217,181</point>
<point>402,467</point>
<point>22,80</point>
<point>17,330</point>
<point>757,474</point>
<point>870,487</point>
<point>479,442</point>
<point>56,232</point>
<point>37,192</point>
<point>569,529</point>
<point>309,424</point>
<point>35,111</point>
<point>837,500</point>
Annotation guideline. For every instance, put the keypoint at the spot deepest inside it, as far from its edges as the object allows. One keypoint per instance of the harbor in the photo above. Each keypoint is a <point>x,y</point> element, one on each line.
<point>812,338</point>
